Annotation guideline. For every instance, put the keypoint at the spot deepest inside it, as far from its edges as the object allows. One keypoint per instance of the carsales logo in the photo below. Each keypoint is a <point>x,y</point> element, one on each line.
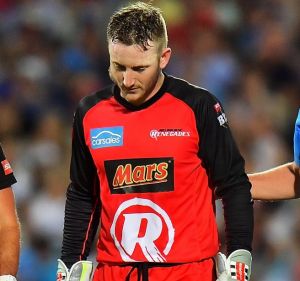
<point>106,137</point>
<point>142,230</point>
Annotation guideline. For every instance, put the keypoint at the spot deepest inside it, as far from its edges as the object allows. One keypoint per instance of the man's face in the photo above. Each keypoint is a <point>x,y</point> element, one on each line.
<point>137,72</point>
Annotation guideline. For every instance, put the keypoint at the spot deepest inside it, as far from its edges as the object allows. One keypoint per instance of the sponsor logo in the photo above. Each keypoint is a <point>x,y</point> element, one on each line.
<point>106,137</point>
<point>220,115</point>
<point>61,276</point>
<point>6,167</point>
<point>222,119</point>
<point>168,133</point>
<point>140,175</point>
<point>239,271</point>
<point>218,108</point>
<point>142,230</point>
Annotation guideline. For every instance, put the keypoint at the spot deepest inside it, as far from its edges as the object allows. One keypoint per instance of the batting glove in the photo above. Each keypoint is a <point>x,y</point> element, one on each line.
<point>80,271</point>
<point>7,278</point>
<point>297,141</point>
<point>236,267</point>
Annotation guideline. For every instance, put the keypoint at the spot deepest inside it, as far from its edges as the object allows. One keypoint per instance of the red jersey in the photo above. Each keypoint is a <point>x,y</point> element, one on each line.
<point>150,173</point>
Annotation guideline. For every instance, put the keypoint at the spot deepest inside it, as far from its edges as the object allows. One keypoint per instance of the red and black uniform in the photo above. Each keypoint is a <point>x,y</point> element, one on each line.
<point>6,173</point>
<point>150,174</point>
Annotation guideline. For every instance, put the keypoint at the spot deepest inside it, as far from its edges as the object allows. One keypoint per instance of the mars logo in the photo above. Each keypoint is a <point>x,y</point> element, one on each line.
<point>140,175</point>
<point>127,175</point>
<point>142,230</point>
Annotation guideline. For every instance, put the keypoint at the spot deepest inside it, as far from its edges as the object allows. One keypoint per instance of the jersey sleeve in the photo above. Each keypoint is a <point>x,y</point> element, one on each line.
<point>82,203</point>
<point>226,172</point>
<point>7,177</point>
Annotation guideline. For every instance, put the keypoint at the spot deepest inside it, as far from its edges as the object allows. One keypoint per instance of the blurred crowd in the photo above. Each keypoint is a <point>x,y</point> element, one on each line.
<point>54,52</point>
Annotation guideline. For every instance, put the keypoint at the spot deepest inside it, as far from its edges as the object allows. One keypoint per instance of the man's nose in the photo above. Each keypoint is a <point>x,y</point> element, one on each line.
<point>128,78</point>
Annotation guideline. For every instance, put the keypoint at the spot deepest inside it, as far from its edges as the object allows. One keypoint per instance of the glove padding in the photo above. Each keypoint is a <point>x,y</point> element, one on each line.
<point>236,267</point>
<point>297,141</point>
<point>80,271</point>
<point>7,278</point>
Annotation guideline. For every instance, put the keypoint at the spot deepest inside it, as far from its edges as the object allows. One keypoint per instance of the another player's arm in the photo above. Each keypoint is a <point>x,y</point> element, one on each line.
<point>9,223</point>
<point>9,233</point>
<point>279,183</point>
<point>282,182</point>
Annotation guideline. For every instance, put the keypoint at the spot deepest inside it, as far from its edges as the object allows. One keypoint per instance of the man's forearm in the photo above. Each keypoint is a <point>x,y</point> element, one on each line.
<point>9,249</point>
<point>279,183</point>
<point>81,223</point>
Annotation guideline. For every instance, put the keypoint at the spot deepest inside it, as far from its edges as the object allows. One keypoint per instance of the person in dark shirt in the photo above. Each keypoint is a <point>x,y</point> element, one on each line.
<point>9,223</point>
<point>150,154</point>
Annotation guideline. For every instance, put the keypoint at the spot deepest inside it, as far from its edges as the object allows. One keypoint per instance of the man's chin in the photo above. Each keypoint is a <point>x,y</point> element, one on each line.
<point>133,98</point>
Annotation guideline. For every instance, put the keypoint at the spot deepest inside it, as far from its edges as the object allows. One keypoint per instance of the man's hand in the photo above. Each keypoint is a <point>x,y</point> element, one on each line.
<point>236,267</point>
<point>297,141</point>
<point>7,278</point>
<point>80,271</point>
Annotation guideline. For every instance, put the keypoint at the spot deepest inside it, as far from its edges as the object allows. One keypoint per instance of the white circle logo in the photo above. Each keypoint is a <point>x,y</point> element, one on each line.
<point>155,225</point>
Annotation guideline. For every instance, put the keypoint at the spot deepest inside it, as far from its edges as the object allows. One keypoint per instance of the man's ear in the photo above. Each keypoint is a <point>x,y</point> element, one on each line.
<point>165,57</point>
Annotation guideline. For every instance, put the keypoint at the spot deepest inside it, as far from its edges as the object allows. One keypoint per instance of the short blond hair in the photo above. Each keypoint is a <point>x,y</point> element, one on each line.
<point>138,24</point>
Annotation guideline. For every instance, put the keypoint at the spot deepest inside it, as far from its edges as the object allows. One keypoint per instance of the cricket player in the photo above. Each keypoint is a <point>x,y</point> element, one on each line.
<point>9,223</point>
<point>150,154</point>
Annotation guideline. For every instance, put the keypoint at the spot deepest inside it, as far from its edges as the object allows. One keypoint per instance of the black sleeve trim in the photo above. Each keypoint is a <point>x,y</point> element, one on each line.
<point>7,181</point>
<point>81,224</point>
<point>82,210</point>
<point>238,215</point>
<point>226,170</point>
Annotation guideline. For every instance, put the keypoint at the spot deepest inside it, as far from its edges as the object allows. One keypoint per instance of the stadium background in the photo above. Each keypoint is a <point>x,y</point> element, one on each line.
<point>53,52</point>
